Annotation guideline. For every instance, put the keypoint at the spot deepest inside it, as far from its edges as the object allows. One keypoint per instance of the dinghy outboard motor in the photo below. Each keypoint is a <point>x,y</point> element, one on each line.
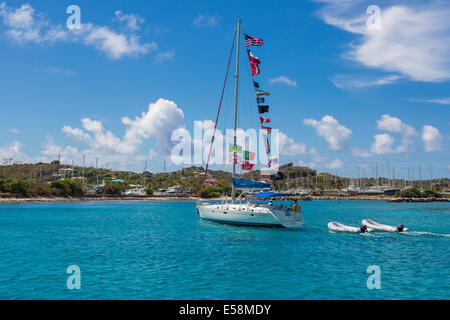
<point>363,228</point>
<point>400,227</point>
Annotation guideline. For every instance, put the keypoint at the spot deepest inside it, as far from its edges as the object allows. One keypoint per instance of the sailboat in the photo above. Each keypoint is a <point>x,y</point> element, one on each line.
<point>248,212</point>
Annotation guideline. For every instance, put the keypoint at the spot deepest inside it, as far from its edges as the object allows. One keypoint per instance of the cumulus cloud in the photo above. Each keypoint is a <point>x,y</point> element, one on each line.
<point>206,20</point>
<point>393,124</point>
<point>283,80</point>
<point>53,151</point>
<point>24,26</point>
<point>413,41</point>
<point>317,161</point>
<point>335,164</point>
<point>382,144</point>
<point>131,21</point>
<point>13,151</point>
<point>331,130</point>
<point>161,118</point>
<point>115,45</point>
<point>289,147</point>
<point>67,153</point>
<point>432,139</point>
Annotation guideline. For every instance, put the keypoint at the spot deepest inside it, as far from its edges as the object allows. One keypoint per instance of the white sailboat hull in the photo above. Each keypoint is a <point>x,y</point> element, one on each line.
<point>251,215</point>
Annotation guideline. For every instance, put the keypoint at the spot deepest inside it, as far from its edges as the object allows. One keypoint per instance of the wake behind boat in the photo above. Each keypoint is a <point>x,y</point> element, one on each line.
<point>383,227</point>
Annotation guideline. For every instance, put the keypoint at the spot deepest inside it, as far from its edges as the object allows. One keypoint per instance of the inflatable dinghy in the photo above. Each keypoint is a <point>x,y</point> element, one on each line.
<point>339,227</point>
<point>383,227</point>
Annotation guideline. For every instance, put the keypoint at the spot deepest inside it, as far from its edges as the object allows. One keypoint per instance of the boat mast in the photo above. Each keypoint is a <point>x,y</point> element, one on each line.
<point>233,190</point>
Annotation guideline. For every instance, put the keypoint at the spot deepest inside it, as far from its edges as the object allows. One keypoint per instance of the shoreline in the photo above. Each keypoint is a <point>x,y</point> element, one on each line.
<point>53,199</point>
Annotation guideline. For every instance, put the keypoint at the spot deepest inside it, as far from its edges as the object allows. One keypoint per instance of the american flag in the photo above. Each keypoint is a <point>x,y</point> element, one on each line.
<point>253,41</point>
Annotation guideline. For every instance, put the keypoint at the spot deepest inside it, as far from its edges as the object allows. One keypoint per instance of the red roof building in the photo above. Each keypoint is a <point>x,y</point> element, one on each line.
<point>211,182</point>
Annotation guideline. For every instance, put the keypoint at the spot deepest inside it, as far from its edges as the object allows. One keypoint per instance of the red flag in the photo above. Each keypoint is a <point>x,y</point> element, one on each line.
<point>247,166</point>
<point>254,63</point>
<point>264,120</point>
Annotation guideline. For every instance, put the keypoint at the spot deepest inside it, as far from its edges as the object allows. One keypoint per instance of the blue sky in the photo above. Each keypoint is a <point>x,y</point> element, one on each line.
<point>344,96</point>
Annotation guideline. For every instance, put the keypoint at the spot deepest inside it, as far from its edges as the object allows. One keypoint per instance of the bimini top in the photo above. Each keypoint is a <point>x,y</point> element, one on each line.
<point>267,195</point>
<point>250,184</point>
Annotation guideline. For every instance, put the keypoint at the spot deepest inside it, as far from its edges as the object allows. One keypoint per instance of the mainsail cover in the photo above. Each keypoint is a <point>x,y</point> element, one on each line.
<point>250,184</point>
<point>268,195</point>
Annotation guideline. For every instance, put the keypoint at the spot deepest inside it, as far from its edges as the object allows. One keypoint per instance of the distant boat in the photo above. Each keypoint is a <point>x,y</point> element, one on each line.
<point>301,192</point>
<point>249,212</point>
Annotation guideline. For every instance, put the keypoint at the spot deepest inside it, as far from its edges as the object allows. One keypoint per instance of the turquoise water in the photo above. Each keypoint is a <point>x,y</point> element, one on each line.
<point>161,250</point>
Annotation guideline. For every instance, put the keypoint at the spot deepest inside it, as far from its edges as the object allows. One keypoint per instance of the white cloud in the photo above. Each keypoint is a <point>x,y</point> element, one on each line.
<point>206,20</point>
<point>317,161</point>
<point>158,122</point>
<point>335,164</point>
<point>432,139</point>
<point>344,81</point>
<point>21,18</point>
<point>76,133</point>
<point>289,147</point>
<point>161,119</point>
<point>382,144</point>
<point>131,21</point>
<point>24,26</point>
<point>13,151</point>
<point>438,101</point>
<point>331,130</point>
<point>51,150</point>
<point>283,80</point>
<point>68,153</point>
<point>414,39</point>
<point>393,124</point>
<point>114,45</point>
<point>15,131</point>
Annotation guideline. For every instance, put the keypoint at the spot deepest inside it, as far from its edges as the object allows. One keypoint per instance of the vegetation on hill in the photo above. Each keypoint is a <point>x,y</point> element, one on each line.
<point>57,179</point>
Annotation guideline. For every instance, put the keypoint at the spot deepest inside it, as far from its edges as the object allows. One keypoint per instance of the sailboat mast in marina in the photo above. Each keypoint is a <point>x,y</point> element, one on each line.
<point>249,212</point>
<point>233,188</point>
